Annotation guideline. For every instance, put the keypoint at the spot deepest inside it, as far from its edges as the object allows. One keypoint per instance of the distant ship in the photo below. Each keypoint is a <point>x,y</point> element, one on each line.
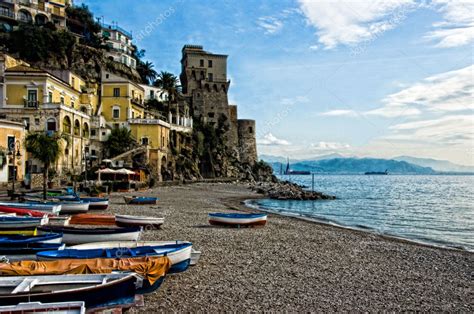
<point>288,171</point>
<point>377,173</point>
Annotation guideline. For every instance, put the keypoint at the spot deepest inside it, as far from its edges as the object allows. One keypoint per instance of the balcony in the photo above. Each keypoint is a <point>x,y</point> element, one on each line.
<point>117,28</point>
<point>4,12</point>
<point>31,104</point>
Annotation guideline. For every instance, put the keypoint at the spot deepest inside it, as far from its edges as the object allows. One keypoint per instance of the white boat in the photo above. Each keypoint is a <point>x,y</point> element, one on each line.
<point>96,290</point>
<point>128,221</point>
<point>237,219</point>
<point>175,257</point>
<point>74,207</point>
<point>73,307</point>
<point>41,207</point>
<point>73,235</point>
<point>15,223</point>
<point>195,256</point>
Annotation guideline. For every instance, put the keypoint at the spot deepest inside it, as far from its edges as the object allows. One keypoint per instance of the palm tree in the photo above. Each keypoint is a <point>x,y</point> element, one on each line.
<point>47,149</point>
<point>146,71</point>
<point>169,83</point>
<point>119,141</point>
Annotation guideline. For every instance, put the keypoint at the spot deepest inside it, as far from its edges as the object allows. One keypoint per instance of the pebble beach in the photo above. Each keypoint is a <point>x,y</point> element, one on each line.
<point>291,264</point>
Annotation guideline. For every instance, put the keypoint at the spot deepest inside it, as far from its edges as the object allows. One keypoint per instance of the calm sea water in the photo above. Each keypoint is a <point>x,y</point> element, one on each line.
<point>437,210</point>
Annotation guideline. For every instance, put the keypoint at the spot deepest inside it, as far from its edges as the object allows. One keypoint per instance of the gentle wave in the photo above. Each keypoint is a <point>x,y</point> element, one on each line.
<point>433,210</point>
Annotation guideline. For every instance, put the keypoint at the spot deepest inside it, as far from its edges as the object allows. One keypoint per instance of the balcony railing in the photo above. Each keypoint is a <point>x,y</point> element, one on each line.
<point>31,104</point>
<point>117,28</point>
<point>7,13</point>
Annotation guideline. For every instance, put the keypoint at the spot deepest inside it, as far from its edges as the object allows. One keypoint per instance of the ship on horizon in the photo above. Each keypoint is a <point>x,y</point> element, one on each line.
<point>384,173</point>
<point>288,171</point>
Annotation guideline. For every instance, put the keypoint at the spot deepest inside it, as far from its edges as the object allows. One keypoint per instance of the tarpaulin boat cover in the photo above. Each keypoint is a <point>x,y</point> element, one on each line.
<point>149,268</point>
<point>92,219</point>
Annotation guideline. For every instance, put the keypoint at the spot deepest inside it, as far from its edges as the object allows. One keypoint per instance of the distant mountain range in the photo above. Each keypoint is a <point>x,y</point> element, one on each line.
<point>336,163</point>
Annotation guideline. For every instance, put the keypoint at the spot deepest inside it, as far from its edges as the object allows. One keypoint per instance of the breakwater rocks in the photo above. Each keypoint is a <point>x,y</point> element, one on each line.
<point>284,190</point>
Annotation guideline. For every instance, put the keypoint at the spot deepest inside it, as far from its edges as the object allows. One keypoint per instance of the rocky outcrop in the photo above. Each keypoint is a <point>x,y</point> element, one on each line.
<point>284,190</point>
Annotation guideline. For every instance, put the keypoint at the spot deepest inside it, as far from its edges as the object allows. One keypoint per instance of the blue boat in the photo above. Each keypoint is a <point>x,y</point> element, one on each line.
<point>140,200</point>
<point>179,254</point>
<point>21,239</point>
<point>28,248</point>
<point>238,219</point>
<point>15,223</point>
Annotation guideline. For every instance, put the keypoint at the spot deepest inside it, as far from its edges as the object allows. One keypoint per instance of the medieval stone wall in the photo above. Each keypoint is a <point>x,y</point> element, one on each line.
<point>247,142</point>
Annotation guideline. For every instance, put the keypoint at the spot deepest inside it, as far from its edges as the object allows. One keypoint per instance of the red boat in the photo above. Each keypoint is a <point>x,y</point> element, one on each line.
<point>22,211</point>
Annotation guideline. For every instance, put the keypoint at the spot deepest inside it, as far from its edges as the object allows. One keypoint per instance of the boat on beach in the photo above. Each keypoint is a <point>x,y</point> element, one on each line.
<point>20,239</point>
<point>96,290</point>
<point>29,248</point>
<point>15,223</point>
<point>67,207</point>
<point>179,254</point>
<point>140,200</point>
<point>8,207</point>
<point>152,269</point>
<point>238,219</point>
<point>92,219</point>
<point>75,235</point>
<point>128,221</point>
<point>73,307</point>
<point>195,255</point>
<point>97,203</point>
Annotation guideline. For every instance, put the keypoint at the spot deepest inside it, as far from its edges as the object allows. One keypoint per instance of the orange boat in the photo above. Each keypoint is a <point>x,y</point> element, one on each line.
<point>152,269</point>
<point>92,219</point>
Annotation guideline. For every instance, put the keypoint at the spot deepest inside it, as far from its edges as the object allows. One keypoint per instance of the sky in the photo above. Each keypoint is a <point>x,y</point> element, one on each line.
<point>358,78</point>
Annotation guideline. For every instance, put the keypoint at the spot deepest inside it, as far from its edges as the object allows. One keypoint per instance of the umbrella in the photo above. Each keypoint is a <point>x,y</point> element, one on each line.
<point>124,171</point>
<point>105,170</point>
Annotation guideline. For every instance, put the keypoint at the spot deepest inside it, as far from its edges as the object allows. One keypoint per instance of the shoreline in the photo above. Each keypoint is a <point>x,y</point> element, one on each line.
<point>292,264</point>
<point>334,224</point>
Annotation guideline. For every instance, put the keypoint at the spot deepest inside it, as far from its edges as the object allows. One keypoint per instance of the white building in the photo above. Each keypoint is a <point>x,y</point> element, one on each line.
<point>120,44</point>
<point>152,92</point>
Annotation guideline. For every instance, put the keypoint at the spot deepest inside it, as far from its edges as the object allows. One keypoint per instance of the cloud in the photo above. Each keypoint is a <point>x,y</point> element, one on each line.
<point>351,22</point>
<point>446,92</point>
<point>457,28</point>
<point>331,146</point>
<point>270,140</point>
<point>270,24</point>
<point>444,131</point>
<point>339,113</point>
<point>314,47</point>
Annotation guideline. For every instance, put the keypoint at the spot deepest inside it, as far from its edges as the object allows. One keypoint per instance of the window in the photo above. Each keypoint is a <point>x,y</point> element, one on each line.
<point>133,94</point>
<point>202,75</point>
<point>93,152</point>
<point>116,113</point>
<point>250,130</point>
<point>201,62</point>
<point>51,125</point>
<point>67,125</point>
<point>62,100</point>
<point>152,94</point>
<point>72,104</point>
<point>50,97</point>
<point>77,128</point>
<point>210,114</point>
<point>116,125</point>
<point>107,75</point>
<point>66,151</point>
<point>11,143</point>
<point>73,83</point>
<point>210,77</point>
<point>32,98</point>
<point>144,140</point>
<point>162,141</point>
<point>133,114</point>
<point>116,92</point>
<point>92,132</point>
<point>37,121</point>
<point>26,122</point>
<point>209,63</point>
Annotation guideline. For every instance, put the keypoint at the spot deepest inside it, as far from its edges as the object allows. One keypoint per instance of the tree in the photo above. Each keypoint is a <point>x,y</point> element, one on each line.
<point>146,71</point>
<point>47,149</point>
<point>120,141</point>
<point>169,83</point>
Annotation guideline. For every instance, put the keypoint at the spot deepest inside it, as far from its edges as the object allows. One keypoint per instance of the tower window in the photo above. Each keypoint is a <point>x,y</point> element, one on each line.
<point>250,130</point>
<point>201,62</point>
<point>116,92</point>
<point>209,63</point>
<point>210,77</point>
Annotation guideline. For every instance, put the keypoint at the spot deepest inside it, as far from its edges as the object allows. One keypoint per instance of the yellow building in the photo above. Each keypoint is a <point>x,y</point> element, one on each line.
<point>46,102</point>
<point>12,151</point>
<point>155,134</point>
<point>38,12</point>
<point>122,100</point>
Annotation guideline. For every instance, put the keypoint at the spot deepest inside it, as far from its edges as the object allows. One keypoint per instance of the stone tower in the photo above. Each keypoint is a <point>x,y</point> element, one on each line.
<point>205,86</point>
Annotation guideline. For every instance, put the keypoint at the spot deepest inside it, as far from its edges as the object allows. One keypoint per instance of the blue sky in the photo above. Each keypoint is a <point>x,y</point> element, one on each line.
<point>364,78</point>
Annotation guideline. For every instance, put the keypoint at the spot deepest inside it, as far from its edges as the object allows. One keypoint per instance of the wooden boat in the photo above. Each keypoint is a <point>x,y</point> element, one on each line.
<point>25,232</point>
<point>40,207</point>
<point>92,219</point>
<point>29,248</point>
<point>96,290</point>
<point>98,203</point>
<point>195,255</point>
<point>140,200</point>
<point>179,254</point>
<point>128,221</point>
<point>152,269</point>
<point>15,223</point>
<point>20,239</point>
<point>76,307</point>
<point>237,219</point>
<point>67,207</point>
<point>22,212</point>
<point>74,235</point>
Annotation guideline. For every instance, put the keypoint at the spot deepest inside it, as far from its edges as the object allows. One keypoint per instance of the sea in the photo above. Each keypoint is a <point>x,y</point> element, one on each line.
<point>431,209</point>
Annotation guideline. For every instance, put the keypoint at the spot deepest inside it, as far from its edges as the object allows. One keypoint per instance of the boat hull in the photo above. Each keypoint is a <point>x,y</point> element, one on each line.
<point>79,235</point>
<point>91,219</point>
<point>141,200</point>
<point>127,221</point>
<point>114,293</point>
<point>237,220</point>
<point>39,207</point>
<point>38,307</point>
<point>96,203</point>
<point>28,248</point>
<point>19,239</point>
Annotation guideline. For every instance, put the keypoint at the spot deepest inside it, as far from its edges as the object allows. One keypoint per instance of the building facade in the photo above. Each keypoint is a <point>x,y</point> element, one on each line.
<point>12,152</point>
<point>119,42</point>
<point>37,12</point>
